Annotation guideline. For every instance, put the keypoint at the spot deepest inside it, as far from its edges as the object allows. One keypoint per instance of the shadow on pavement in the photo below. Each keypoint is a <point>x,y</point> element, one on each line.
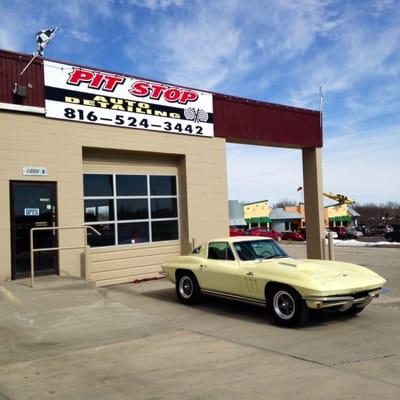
<point>244,311</point>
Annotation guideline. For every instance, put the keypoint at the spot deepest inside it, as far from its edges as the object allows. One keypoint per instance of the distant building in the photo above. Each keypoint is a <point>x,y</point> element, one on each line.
<point>300,209</point>
<point>282,220</point>
<point>257,213</point>
<point>236,217</point>
<point>342,215</point>
<point>292,218</point>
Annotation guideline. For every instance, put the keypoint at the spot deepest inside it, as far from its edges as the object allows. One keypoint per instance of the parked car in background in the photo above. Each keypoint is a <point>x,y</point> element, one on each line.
<point>264,232</point>
<point>394,235</point>
<point>303,232</point>
<point>353,233</point>
<point>365,230</point>
<point>334,234</point>
<point>297,236</point>
<point>236,231</point>
<point>380,229</point>
<point>341,231</point>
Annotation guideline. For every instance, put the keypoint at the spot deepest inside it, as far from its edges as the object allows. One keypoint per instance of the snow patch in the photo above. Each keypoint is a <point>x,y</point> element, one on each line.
<point>357,243</point>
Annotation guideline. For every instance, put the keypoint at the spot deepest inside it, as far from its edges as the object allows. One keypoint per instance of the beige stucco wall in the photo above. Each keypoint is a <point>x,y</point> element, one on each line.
<point>256,210</point>
<point>339,210</point>
<point>67,150</point>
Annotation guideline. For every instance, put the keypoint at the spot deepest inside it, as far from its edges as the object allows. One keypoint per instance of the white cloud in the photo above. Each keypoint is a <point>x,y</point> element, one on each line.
<point>157,4</point>
<point>256,172</point>
<point>279,51</point>
<point>358,165</point>
<point>80,35</point>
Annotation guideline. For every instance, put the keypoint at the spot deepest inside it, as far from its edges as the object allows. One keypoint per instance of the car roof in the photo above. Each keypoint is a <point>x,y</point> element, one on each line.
<point>236,239</point>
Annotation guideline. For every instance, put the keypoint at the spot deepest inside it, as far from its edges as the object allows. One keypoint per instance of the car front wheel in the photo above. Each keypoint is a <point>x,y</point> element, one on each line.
<point>287,306</point>
<point>187,288</point>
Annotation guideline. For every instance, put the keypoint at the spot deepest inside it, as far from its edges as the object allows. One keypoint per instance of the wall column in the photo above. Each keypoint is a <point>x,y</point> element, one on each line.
<point>313,202</point>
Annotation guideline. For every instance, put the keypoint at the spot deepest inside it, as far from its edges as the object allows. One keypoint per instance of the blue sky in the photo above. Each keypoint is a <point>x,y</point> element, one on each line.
<point>277,51</point>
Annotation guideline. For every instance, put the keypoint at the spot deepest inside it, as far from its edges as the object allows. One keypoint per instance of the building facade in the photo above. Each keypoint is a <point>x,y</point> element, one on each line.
<point>257,213</point>
<point>140,164</point>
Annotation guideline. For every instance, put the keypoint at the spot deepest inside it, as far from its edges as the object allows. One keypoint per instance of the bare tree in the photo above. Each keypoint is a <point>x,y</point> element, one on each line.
<point>372,214</point>
<point>282,203</point>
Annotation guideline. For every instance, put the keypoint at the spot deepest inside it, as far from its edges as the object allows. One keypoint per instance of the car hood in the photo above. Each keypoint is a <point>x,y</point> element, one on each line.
<point>333,275</point>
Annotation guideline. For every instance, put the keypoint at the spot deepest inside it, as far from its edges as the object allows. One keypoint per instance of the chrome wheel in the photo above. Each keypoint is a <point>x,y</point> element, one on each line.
<point>186,287</point>
<point>284,305</point>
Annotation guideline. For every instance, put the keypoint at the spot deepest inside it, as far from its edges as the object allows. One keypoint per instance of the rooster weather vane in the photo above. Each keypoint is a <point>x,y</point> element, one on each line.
<point>196,116</point>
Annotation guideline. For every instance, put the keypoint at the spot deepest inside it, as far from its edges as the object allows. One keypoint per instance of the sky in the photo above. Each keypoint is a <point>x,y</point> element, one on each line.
<point>279,51</point>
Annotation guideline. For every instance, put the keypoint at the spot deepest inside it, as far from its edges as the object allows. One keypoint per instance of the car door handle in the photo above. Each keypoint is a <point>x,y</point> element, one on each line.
<point>202,266</point>
<point>250,273</point>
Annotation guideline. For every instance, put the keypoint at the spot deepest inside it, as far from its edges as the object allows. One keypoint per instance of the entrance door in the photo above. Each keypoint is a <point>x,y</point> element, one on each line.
<point>33,205</point>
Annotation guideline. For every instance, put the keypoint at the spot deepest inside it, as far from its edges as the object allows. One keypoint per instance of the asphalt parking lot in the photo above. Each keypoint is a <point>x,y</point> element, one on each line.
<point>70,340</point>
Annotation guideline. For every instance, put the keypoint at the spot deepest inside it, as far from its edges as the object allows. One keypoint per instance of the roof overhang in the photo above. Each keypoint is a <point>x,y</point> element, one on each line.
<point>236,119</point>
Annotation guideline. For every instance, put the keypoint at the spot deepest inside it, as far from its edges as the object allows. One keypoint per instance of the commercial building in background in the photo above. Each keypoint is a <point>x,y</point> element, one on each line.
<point>236,217</point>
<point>282,220</point>
<point>342,215</point>
<point>257,213</point>
<point>140,162</point>
<point>291,218</point>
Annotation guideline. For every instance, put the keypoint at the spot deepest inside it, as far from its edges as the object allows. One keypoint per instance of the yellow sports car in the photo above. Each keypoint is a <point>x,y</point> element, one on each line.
<point>258,270</point>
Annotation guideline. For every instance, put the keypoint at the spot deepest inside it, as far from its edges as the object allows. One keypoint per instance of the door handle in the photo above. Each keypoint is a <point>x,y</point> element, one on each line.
<point>202,266</point>
<point>250,273</point>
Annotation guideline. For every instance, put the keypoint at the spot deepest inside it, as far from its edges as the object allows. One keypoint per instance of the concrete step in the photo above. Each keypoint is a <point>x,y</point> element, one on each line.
<point>52,282</point>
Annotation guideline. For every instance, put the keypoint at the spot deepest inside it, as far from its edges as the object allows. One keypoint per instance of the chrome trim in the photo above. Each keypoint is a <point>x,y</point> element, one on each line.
<point>344,301</point>
<point>328,298</point>
<point>233,296</point>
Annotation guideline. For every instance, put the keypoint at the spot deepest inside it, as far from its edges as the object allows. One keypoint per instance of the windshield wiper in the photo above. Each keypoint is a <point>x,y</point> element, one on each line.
<point>275,256</point>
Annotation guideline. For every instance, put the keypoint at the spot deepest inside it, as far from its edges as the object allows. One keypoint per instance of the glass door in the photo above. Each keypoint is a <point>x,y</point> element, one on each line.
<point>33,205</point>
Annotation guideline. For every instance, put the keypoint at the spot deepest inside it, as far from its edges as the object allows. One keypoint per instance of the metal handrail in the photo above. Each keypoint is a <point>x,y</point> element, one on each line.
<point>59,228</point>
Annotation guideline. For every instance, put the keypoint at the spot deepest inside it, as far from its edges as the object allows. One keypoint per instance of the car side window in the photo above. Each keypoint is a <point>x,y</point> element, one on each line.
<point>220,251</point>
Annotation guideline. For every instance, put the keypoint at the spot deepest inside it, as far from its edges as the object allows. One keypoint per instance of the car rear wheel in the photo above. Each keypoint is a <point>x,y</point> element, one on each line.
<point>286,306</point>
<point>187,288</point>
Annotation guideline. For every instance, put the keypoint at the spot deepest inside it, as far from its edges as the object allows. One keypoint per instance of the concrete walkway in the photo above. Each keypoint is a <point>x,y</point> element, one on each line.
<point>68,340</point>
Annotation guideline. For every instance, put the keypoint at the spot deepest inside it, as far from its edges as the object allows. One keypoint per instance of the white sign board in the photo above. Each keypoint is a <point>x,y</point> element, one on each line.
<point>31,212</point>
<point>97,97</point>
<point>34,171</point>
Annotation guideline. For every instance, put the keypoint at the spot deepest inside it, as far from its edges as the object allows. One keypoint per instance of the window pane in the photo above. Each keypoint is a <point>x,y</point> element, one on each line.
<point>132,209</point>
<point>163,185</point>
<point>131,185</point>
<point>107,237</point>
<point>96,185</point>
<point>99,210</point>
<point>164,230</point>
<point>220,251</point>
<point>135,232</point>
<point>164,208</point>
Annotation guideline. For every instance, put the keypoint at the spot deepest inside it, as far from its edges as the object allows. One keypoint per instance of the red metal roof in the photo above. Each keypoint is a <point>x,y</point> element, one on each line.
<point>236,119</point>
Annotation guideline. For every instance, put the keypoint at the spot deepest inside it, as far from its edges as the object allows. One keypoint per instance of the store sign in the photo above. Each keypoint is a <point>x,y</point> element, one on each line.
<point>34,171</point>
<point>31,212</point>
<point>84,95</point>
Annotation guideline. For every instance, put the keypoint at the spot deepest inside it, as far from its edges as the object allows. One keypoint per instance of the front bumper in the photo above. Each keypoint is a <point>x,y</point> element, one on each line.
<point>342,303</point>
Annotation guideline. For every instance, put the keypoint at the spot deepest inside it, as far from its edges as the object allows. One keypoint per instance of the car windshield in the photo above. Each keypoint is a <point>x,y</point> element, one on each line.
<point>258,250</point>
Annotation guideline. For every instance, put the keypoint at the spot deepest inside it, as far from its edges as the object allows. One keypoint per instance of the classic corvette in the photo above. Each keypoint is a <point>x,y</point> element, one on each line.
<point>258,270</point>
